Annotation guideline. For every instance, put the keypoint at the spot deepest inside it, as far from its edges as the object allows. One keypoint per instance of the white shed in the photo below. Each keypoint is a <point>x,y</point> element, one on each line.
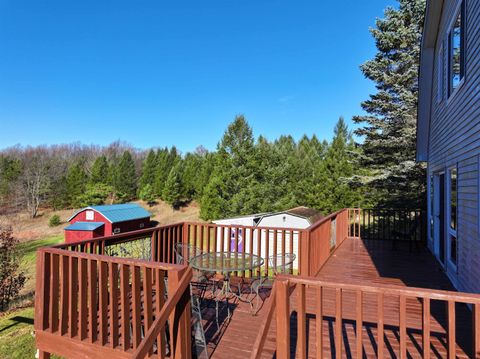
<point>295,218</point>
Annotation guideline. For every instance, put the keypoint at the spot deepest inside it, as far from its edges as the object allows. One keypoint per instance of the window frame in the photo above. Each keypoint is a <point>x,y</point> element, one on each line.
<point>440,73</point>
<point>460,11</point>
<point>450,231</point>
<point>89,215</point>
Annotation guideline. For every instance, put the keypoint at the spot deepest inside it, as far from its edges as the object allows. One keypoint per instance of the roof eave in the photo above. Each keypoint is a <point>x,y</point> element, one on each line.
<point>433,14</point>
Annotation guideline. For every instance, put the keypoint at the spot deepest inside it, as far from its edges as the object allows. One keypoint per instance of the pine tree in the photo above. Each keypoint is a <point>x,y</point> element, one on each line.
<point>99,171</point>
<point>389,129</point>
<point>333,186</point>
<point>166,159</point>
<point>125,178</point>
<point>76,181</point>
<point>148,170</point>
<point>235,169</point>
<point>173,192</point>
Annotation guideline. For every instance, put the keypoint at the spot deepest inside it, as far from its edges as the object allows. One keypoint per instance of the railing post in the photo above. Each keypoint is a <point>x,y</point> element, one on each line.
<point>304,247</point>
<point>476,330</point>
<point>283,319</point>
<point>180,335</point>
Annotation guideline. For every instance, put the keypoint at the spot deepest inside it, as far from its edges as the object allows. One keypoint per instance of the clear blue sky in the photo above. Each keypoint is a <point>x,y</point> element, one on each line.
<point>162,73</point>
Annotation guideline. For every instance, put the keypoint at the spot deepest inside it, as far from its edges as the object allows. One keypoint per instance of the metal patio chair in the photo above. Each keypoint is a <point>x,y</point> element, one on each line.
<point>279,264</point>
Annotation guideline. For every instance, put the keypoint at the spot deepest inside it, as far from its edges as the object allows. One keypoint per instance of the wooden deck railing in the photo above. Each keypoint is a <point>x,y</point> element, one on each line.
<point>323,237</point>
<point>90,305</point>
<point>260,241</point>
<point>385,296</point>
<point>394,224</point>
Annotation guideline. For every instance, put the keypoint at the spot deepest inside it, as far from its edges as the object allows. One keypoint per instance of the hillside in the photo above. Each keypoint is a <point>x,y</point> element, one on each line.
<point>28,229</point>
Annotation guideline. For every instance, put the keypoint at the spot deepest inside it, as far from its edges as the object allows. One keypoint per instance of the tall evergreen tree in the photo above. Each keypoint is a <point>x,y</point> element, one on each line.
<point>148,170</point>
<point>235,169</point>
<point>166,159</point>
<point>99,171</point>
<point>334,190</point>
<point>76,181</point>
<point>126,179</point>
<point>389,129</point>
<point>174,191</point>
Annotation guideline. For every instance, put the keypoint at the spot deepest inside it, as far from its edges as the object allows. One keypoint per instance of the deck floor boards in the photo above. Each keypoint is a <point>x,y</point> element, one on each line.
<point>355,261</point>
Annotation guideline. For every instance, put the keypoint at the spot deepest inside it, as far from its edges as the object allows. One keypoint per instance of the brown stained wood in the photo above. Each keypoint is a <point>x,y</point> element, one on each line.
<point>283,319</point>
<point>275,244</point>
<point>403,326</point>
<point>359,324</point>
<point>160,301</point>
<point>175,330</point>
<point>259,248</point>
<point>338,323</point>
<point>103,301</point>
<point>319,323</point>
<point>426,327</point>
<point>114,297</point>
<point>270,308</point>
<point>451,329</point>
<point>43,355</point>
<point>176,306</point>
<point>147,299</point>
<point>136,307</point>
<point>83,309</point>
<point>380,325</point>
<point>41,290</point>
<point>378,269</point>
<point>476,330</point>
<point>64,294</point>
<point>54,291</point>
<point>302,322</point>
<point>125,305</point>
<point>267,250</point>
<point>74,298</point>
<point>93,300</point>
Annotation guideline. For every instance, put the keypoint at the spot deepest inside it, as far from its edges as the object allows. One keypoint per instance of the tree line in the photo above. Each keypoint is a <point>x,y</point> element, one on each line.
<point>245,174</point>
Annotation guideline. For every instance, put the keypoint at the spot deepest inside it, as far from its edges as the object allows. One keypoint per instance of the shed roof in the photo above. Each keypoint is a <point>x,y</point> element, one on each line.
<point>118,212</point>
<point>309,213</point>
<point>84,226</point>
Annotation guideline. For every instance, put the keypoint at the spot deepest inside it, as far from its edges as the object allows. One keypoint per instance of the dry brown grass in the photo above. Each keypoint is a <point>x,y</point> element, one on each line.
<point>28,229</point>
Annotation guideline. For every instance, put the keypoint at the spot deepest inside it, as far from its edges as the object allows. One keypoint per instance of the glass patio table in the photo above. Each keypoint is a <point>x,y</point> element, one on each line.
<point>227,263</point>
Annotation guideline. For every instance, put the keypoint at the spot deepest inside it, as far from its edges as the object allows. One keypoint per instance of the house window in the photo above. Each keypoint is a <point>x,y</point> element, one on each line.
<point>456,50</point>
<point>116,230</point>
<point>142,225</point>
<point>440,74</point>
<point>452,214</point>
<point>432,209</point>
<point>89,216</point>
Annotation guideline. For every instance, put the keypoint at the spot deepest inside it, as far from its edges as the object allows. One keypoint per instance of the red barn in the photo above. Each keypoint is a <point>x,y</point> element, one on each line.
<point>106,220</point>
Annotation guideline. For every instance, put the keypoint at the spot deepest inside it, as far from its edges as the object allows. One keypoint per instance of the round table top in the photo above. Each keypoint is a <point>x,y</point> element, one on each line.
<point>226,262</point>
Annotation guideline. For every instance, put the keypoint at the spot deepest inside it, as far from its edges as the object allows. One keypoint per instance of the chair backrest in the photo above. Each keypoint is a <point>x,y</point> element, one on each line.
<point>184,252</point>
<point>280,263</point>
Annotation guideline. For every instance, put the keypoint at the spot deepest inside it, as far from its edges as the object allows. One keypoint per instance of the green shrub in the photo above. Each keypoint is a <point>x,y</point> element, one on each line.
<point>54,221</point>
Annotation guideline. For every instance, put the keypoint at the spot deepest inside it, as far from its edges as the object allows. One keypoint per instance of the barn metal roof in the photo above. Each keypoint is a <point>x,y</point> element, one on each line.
<point>84,226</point>
<point>118,212</point>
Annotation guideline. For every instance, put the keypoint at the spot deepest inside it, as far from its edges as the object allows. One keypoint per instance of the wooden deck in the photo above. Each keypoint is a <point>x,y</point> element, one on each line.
<point>356,262</point>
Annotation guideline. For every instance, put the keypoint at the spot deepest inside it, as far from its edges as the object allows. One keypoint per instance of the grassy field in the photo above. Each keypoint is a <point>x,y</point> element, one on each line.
<point>16,339</point>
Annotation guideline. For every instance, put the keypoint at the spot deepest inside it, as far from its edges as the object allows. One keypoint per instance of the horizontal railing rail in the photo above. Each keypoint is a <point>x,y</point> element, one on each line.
<point>401,224</point>
<point>155,244</point>
<point>261,241</point>
<point>95,303</point>
<point>359,296</point>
